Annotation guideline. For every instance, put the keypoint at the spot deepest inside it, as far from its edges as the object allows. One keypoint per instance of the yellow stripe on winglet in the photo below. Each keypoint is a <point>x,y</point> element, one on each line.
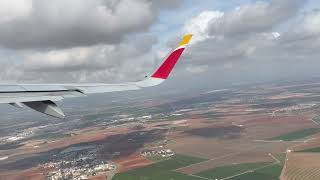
<point>186,39</point>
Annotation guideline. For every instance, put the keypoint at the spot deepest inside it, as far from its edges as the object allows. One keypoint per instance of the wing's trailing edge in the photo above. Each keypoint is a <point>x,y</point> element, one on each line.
<point>40,97</point>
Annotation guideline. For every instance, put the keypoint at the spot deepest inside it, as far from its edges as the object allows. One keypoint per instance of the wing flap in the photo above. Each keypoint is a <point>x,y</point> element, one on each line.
<point>46,107</point>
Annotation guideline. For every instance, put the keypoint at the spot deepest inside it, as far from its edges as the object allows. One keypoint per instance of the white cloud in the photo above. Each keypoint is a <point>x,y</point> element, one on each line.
<point>46,24</point>
<point>260,16</point>
<point>309,26</point>
<point>130,59</point>
<point>254,39</point>
<point>276,35</point>
<point>199,25</point>
<point>246,35</point>
<point>11,10</point>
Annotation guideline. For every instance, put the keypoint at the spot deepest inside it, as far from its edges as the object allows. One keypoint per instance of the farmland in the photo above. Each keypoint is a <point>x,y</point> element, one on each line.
<point>302,166</point>
<point>311,150</point>
<point>297,134</point>
<point>241,134</point>
<point>251,171</point>
<point>161,170</point>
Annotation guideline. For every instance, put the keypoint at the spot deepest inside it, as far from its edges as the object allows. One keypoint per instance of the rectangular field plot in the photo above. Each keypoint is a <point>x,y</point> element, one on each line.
<point>161,170</point>
<point>297,134</point>
<point>268,173</point>
<point>302,166</point>
<point>311,150</point>
<point>254,171</point>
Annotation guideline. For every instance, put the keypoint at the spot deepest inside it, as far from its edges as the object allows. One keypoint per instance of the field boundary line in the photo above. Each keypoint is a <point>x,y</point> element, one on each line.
<point>277,161</point>
<point>221,157</point>
<point>315,122</point>
<point>250,171</point>
<point>192,175</point>
<point>284,166</point>
<point>274,158</point>
<point>277,141</point>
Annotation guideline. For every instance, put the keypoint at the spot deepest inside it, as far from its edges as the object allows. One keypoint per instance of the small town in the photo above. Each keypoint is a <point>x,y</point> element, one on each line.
<point>165,153</point>
<point>77,163</point>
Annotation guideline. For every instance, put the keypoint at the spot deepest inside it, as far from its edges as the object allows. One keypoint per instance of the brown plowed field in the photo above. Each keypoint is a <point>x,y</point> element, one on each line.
<point>31,174</point>
<point>98,178</point>
<point>131,162</point>
<point>302,166</point>
<point>243,146</point>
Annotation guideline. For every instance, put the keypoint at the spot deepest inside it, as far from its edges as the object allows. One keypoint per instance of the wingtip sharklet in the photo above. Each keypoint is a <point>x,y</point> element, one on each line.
<point>163,72</point>
<point>166,67</point>
<point>186,39</point>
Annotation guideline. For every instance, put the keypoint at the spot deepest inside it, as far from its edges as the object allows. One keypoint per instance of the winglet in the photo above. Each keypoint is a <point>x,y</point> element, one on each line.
<point>186,39</point>
<point>163,72</point>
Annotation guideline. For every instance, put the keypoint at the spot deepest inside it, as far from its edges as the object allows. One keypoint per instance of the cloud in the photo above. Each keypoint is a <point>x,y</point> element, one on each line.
<point>94,57</point>
<point>199,25</point>
<point>257,17</point>
<point>78,40</point>
<point>306,27</point>
<point>12,10</point>
<point>197,69</point>
<point>59,24</point>
<point>131,58</point>
<point>168,4</point>
<point>255,41</point>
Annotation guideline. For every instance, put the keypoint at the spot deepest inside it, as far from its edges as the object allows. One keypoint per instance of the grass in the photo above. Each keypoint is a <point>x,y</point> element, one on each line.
<point>271,172</point>
<point>297,134</point>
<point>162,170</point>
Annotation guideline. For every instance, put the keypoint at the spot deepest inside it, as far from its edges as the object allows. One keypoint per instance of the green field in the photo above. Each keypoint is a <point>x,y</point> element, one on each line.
<point>297,134</point>
<point>316,119</point>
<point>231,170</point>
<point>311,150</point>
<point>281,158</point>
<point>162,170</point>
<point>268,173</point>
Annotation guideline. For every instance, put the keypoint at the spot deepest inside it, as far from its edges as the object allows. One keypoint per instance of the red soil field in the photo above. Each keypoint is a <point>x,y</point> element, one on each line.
<point>131,162</point>
<point>31,174</point>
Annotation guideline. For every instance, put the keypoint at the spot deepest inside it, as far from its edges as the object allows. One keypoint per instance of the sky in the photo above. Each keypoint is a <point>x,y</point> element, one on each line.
<point>235,41</point>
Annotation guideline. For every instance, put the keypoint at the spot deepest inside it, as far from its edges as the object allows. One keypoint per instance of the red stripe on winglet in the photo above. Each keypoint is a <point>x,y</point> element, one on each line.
<point>165,69</point>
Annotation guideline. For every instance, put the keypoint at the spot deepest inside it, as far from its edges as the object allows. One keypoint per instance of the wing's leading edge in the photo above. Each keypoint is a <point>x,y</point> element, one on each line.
<point>40,97</point>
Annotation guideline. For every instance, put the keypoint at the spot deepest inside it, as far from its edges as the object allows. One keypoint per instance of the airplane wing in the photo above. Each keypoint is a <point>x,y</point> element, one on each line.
<point>41,97</point>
